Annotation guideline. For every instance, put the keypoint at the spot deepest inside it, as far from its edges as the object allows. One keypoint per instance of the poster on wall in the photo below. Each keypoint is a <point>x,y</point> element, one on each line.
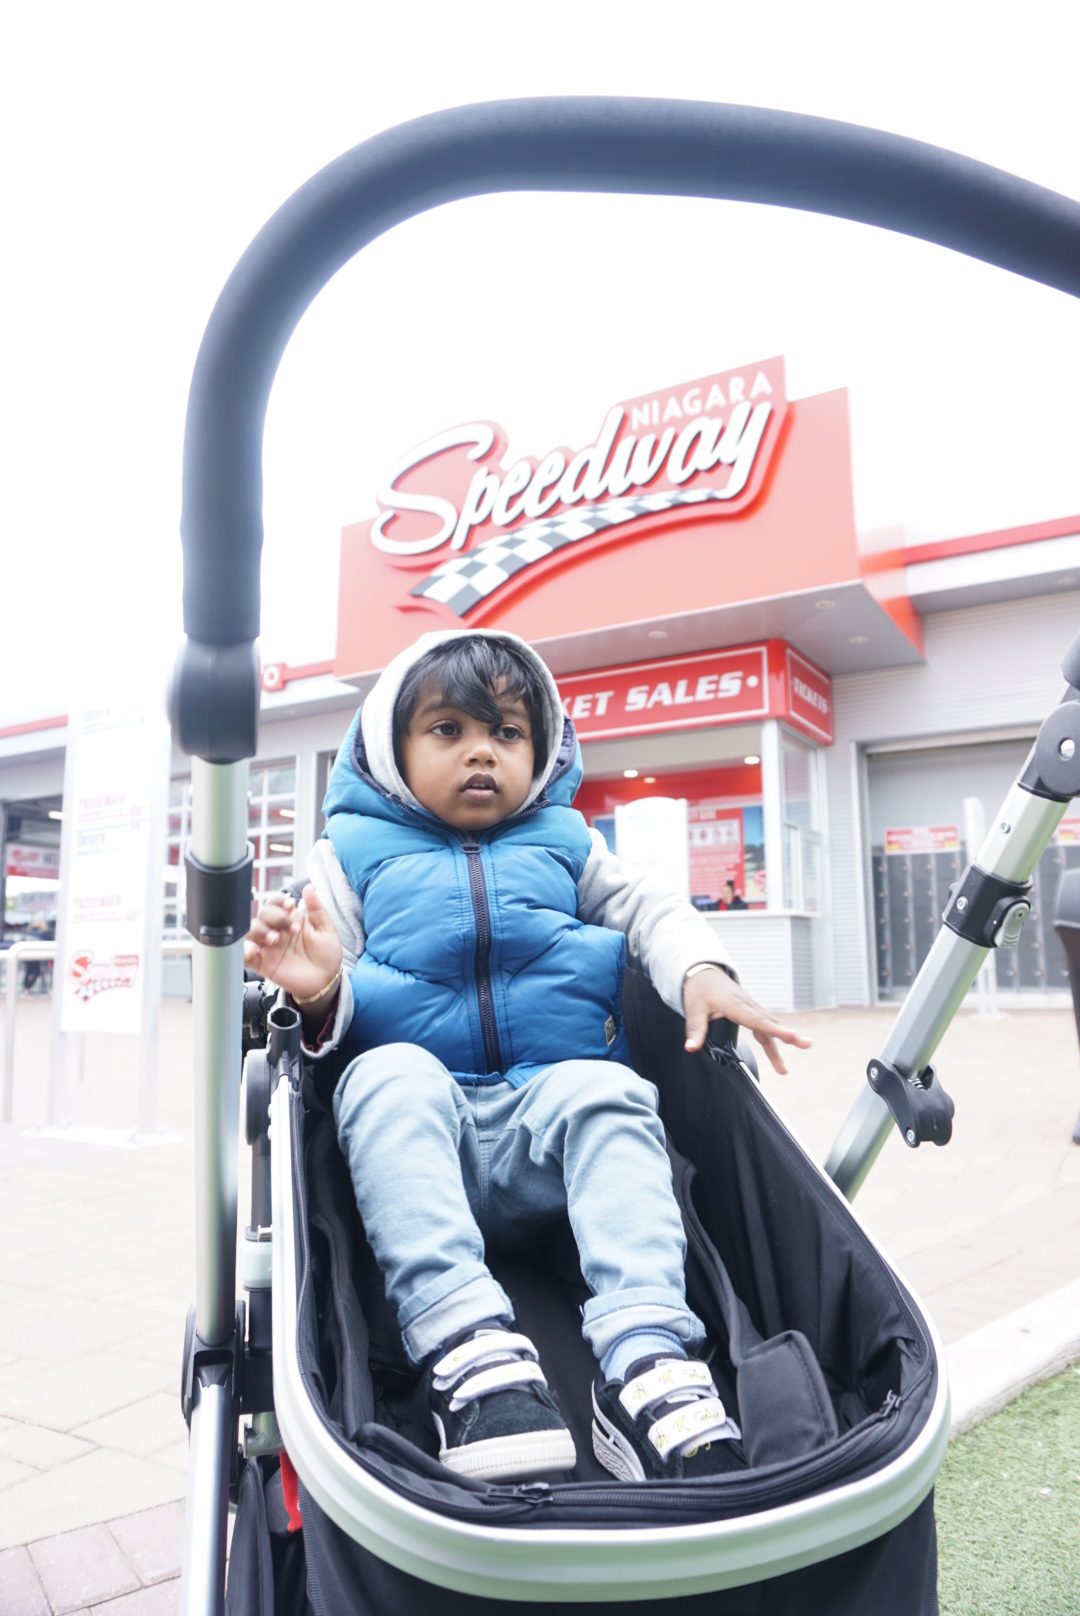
<point>114,807</point>
<point>716,849</point>
<point>922,839</point>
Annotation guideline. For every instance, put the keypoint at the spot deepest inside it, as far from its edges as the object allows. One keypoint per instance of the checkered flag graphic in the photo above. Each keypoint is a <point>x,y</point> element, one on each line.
<point>464,582</point>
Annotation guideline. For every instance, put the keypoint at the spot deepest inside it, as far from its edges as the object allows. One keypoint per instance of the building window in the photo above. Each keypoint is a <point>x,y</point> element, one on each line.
<point>271,817</point>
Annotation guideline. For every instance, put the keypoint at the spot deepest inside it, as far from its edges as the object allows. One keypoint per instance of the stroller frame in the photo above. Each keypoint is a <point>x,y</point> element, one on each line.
<point>568,144</point>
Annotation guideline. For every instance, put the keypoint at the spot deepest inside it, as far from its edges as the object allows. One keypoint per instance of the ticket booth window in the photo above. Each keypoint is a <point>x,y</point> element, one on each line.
<point>725,829</point>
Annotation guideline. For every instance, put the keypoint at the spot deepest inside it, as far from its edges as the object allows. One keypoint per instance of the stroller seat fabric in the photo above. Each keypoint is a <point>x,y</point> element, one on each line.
<point>817,1351</point>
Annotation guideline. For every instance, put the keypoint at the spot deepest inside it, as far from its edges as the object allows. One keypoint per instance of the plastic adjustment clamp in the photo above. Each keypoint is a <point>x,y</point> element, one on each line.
<point>220,1364</point>
<point>919,1105</point>
<point>218,899</point>
<point>986,909</point>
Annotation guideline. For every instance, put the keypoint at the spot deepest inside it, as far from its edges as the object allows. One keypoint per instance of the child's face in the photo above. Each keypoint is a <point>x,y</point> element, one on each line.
<point>471,774</point>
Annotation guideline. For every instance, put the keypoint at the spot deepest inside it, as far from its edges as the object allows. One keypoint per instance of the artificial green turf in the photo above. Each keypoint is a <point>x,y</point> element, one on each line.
<point>1008,1509</point>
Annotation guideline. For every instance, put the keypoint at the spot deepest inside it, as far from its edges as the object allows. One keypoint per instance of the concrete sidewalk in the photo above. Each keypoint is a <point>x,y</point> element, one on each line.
<point>96,1271</point>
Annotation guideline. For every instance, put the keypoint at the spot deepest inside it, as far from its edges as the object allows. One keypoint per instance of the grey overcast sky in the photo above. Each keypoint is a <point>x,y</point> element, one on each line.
<point>145,144</point>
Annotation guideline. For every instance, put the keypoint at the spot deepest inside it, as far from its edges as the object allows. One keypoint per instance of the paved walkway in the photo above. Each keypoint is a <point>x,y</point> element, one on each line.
<point>96,1269</point>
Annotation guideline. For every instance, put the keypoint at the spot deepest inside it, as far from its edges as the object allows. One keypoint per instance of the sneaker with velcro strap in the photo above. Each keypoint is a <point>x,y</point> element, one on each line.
<point>664,1422</point>
<point>495,1416</point>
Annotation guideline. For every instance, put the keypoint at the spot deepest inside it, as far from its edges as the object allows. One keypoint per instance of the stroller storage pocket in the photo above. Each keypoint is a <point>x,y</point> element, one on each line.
<point>783,1401</point>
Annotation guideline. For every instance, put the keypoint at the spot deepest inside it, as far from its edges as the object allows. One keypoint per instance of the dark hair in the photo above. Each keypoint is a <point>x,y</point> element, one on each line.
<point>467,672</point>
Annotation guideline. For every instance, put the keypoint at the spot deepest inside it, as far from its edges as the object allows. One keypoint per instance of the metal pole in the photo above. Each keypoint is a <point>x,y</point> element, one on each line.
<point>202,1583</point>
<point>218,839</point>
<point>974,836</point>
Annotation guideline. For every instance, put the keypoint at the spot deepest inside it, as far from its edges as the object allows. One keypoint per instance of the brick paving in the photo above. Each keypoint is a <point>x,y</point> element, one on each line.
<point>96,1268</point>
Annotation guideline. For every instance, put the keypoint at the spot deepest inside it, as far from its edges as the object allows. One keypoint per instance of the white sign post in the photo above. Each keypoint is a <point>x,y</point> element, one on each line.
<point>107,976</point>
<point>652,838</point>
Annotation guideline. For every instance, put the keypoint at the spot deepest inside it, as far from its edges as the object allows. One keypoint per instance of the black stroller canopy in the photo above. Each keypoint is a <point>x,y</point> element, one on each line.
<point>582,144</point>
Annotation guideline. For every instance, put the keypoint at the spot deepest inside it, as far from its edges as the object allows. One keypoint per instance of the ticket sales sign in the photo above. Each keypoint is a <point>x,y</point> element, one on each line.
<point>737,686</point>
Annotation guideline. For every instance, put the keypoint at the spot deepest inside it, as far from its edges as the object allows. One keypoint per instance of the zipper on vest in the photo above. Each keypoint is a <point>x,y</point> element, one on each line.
<point>478,893</point>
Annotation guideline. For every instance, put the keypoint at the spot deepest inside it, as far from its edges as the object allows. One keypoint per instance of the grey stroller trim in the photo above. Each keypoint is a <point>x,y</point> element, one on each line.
<point>579,1564</point>
<point>582,144</point>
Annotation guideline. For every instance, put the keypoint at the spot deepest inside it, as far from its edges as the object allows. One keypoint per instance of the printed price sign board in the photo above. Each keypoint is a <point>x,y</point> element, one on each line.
<point>113,806</point>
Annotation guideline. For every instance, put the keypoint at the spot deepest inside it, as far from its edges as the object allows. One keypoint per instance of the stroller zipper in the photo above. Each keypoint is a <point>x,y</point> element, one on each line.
<point>709,1494</point>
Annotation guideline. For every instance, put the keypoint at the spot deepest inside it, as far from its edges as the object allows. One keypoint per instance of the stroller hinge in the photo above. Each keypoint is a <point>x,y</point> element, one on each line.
<point>1052,769</point>
<point>919,1105</point>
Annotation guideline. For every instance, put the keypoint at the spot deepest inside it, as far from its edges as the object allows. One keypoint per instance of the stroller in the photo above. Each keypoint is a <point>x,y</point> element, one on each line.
<point>832,1370</point>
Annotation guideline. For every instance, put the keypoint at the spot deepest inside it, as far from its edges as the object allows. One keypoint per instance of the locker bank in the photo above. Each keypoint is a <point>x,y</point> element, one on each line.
<point>835,708</point>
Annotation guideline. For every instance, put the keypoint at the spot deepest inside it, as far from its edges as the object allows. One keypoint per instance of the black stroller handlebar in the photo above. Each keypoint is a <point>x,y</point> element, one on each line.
<point>581,144</point>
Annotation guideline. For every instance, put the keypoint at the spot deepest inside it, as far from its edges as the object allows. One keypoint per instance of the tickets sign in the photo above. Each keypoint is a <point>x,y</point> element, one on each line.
<point>737,686</point>
<point>809,697</point>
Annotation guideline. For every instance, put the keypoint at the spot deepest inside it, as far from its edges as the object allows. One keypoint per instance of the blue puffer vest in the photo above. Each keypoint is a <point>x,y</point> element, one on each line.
<point>473,948</point>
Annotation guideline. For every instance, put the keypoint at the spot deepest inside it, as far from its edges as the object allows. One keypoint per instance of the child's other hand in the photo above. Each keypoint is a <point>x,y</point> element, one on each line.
<point>710,995</point>
<point>297,949</point>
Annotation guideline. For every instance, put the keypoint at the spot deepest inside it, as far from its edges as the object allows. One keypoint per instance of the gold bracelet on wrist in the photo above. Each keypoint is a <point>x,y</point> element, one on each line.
<point>322,993</point>
<point>703,965</point>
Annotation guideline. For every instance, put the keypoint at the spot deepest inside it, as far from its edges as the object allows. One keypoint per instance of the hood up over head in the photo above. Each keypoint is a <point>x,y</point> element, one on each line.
<point>368,748</point>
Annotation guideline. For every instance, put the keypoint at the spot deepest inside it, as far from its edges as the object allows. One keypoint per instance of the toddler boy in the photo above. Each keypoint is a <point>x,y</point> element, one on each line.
<point>467,932</point>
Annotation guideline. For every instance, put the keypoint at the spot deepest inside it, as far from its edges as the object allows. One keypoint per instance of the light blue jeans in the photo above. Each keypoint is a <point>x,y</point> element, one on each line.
<point>436,1164</point>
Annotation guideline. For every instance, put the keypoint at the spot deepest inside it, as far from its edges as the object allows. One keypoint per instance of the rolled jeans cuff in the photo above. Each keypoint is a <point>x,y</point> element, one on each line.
<point>465,1296</point>
<point>606,1318</point>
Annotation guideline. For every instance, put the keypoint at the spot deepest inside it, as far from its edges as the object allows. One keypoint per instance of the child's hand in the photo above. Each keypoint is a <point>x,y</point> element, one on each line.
<point>710,995</point>
<point>299,950</point>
